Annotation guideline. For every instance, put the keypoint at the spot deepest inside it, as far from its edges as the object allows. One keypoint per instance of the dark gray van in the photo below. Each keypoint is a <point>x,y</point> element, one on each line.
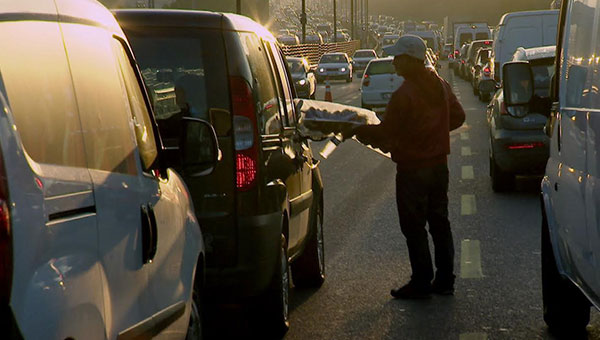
<point>261,210</point>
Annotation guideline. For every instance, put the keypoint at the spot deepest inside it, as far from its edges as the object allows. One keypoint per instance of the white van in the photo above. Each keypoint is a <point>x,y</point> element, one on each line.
<point>466,34</point>
<point>98,238</point>
<point>522,29</point>
<point>570,191</point>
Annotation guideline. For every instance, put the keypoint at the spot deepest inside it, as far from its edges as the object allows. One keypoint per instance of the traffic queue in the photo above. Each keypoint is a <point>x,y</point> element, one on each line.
<point>155,161</point>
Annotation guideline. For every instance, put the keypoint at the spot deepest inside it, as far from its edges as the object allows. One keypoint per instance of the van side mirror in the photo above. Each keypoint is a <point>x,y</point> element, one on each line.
<point>199,147</point>
<point>518,83</point>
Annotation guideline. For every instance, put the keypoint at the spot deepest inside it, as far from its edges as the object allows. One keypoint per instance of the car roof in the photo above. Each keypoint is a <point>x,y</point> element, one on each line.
<point>83,12</point>
<point>365,50</point>
<point>335,53</point>
<point>534,53</point>
<point>191,18</point>
<point>507,16</point>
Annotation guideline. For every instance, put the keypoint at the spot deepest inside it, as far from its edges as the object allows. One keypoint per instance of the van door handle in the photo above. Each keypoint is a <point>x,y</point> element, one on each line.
<point>149,240</point>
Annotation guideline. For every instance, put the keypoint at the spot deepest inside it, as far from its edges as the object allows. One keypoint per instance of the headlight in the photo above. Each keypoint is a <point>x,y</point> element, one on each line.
<point>302,82</point>
<point>343,69</point>
<point>321,70</point>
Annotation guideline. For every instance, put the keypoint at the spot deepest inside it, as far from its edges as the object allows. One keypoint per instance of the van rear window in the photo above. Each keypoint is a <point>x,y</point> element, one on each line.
<point>181,68</point>
<point>482,36</point>
<point>465,38</point>
<point>381,67</point>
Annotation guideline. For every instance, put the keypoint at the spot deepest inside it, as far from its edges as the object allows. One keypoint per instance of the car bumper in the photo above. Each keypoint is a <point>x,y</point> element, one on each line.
<point>521,160</point>
<point>258,247</point>
<point>333,75</point>
<point>375,99</point>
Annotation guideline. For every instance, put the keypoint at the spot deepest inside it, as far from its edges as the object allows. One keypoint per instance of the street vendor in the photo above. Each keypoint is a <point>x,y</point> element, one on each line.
<point>415,129</point>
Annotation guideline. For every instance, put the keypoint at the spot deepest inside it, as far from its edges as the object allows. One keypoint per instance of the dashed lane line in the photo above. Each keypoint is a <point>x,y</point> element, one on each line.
<point>464,136</point>
<point>473,336</point>
<point>465,151</point>
<point>467,172</point>
<point>470,259</point>
<point>468,205</point>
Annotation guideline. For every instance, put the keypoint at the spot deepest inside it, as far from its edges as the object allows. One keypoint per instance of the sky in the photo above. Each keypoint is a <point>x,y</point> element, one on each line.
<point>489,10</point>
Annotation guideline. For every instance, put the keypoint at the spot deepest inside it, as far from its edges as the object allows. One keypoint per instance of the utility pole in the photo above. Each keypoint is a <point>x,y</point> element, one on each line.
<point>238,6</point>
<point>352,19</point>
<point>303,21</point>
<point>334,22</point>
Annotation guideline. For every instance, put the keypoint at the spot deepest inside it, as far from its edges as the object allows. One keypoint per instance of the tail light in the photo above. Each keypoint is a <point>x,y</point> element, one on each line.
<point>487,71</point>
<point>366,80</point>
<point>462,61</point>
<point>525,146</point>
<point>503,110</point>
<point>244,134</point>
<point>6,244</point>
<point>456,53</point>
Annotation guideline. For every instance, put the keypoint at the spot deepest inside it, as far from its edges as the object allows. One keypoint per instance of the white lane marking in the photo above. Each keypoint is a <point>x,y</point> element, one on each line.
<point>468,205</point>
<point>467,172</point>
<point>473,336</point>
<point>465,151</point>
<point>470,259</point>
<point>464,136</point>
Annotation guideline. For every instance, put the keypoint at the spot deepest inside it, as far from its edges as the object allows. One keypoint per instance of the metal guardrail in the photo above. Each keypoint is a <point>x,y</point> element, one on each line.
<point>313,52</point>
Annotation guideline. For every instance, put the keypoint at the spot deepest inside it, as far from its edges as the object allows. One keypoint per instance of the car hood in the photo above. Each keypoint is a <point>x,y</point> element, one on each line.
<point>333,65</point>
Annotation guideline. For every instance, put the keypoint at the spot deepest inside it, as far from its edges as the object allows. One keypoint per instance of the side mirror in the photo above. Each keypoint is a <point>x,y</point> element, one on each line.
<point>199,147</point>
<point>518,83</point>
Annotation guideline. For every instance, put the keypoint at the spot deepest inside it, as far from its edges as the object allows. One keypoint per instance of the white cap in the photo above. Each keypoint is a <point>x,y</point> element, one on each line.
<point>408,44</point>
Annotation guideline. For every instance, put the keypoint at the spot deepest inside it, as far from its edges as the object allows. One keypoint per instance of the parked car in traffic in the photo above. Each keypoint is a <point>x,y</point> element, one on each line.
<point>289,40</point>
<point>378,83</point>
<point>484,86</point>
<point>304,79</point>
<point>461,66</point>
<point>334,66</point>
<point>313,38</point>
<point>522,29</point>
<point>98,234</point>
<point>570,242</point>
<point>518,144</point>
<point>262,209</point>
<point>388,40</point>
<point>472,54</point>
<point>361,58</point>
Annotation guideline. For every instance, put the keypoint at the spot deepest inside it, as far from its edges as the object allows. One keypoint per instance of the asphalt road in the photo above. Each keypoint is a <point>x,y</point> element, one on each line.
<point>496,236</point>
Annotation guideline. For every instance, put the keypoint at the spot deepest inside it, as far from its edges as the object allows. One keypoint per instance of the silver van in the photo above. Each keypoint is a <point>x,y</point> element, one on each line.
<point>98,238</point>
<point>570,194</point>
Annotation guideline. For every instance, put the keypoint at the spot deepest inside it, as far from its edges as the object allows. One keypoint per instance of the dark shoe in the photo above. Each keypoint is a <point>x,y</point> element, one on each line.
<point>412,291</point>
<point>442,288</point>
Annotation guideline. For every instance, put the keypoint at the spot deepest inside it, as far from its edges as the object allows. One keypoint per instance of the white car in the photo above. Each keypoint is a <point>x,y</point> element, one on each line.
<point>334,66</point>
<point>361,58</point>
<point>98,238</point>
<point>378,83</point>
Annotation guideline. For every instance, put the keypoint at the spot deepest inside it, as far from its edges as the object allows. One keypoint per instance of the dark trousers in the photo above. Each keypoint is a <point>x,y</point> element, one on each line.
<point>422,198</point>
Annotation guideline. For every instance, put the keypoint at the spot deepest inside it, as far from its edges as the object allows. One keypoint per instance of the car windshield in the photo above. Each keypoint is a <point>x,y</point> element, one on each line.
<point>364,54</point>
<point>389,41</point>
<point>332,59</point>
<point>484,56</point>
<point>381,67</point>
<point>296,66</point>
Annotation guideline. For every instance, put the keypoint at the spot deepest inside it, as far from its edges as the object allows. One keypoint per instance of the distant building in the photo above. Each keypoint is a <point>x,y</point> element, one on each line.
<point>255,9</point>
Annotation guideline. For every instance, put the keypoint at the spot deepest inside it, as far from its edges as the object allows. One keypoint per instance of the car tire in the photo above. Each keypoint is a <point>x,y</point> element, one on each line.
<point>501,181</point>
<point>276,302</point>
<point>566,309</point>
<point>349,79</point>
<point>196,329</point>
<point>484,97</point>
<point>475,91</point>
<point>308,271</point>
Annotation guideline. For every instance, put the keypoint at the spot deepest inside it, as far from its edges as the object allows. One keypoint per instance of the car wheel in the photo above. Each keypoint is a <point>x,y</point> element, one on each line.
<point>501,181</point>
<point>566,310</point>
<point>475,91</point>
<point>276,304</point>
<point>308,271</point>
<point>484,97</point>
<point>195,327</point>
<point>349,79</point>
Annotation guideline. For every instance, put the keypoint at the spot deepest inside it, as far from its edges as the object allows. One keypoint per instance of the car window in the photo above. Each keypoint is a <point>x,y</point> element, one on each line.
<point>284,85</point>
<point>181,67</point>
<point>578,55</point>
<point>103,107</point>
<point>465,38</point>
<point>482,36</point>
<point>295,65</point>
<point>268,105</point>
<point>364,54</point>
<point>382,67</point>
<point>42,98</point>
<point>144,133</point>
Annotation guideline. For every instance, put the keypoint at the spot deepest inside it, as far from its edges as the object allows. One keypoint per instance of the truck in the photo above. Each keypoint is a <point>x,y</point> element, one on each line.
<point>450,29</point>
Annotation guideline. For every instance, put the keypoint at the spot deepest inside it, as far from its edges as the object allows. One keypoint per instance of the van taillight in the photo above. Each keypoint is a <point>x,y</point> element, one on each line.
<point>366,80</point>
<point>456,53</point>
<point>487,70</point>
<point>244,133</point>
